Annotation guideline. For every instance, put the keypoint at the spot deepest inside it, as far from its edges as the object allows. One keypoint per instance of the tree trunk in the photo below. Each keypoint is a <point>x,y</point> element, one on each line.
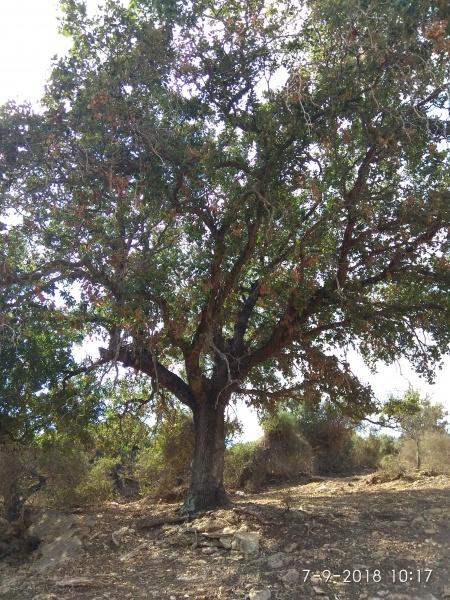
<point>206,489</point>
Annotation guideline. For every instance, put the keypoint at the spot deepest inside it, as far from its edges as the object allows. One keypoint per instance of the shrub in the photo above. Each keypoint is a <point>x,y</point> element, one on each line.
<point>329,434</point>
<point>435,452</point>
<point>238,459</point>
<point>12,470</point>
<point>163,469</point>
<point>97,486</point>
<point>280,455</point>
<point>368,452</point>
<point>392,467</point>
<point>64,463</point>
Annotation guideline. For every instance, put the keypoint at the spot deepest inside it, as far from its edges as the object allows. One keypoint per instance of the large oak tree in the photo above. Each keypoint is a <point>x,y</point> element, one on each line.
<point>234,191</point>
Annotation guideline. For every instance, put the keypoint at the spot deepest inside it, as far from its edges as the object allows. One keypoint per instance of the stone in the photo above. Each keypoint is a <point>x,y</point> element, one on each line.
<point>376,534</point>
<point>323,488</point>
<point>291,547</point>
<point>117,536</point>
<point>212,526</point>
<point>291,576</point>
<point>226,543</point>
<point>319,591</point>
<point>58,551</point>
<point>60,541</point>
<point>247,542</point>
<point>418,521</point>
<point>276,561</point>
<point>45,597</point>
<point>260,594</point>
<point>430,531</point>
<point>51,524</point>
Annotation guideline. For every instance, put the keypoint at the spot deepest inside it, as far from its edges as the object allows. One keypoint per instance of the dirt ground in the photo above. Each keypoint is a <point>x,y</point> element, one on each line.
<point>341,538</point>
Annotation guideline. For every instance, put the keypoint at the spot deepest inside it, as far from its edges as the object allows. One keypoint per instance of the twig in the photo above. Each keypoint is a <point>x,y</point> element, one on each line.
<point>147,523</point>
<point>252,513</point>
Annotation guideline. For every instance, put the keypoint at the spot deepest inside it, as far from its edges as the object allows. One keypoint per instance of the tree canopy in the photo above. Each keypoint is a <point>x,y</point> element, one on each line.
<point>232,192</point>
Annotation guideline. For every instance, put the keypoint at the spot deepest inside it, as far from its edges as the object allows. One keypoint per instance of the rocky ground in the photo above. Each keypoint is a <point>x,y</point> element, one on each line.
<point>339,538</point>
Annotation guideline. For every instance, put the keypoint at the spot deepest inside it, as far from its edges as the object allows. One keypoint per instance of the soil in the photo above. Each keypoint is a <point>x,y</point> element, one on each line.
<point>341,538</point>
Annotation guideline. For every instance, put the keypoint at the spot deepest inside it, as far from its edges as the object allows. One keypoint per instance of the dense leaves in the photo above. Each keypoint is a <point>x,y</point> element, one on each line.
<point>240,191</point>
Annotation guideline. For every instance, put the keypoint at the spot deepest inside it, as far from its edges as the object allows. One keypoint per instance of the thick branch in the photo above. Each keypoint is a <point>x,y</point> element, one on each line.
<point>145,362</point>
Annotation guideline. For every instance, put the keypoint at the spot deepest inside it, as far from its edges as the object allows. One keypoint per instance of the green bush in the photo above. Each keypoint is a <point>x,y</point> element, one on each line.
<point>392,466</point>
<point>97,486</point>
<point>64,463</point>
<point>238,459</point>
<point>368,452</point>
<point>162,469</point>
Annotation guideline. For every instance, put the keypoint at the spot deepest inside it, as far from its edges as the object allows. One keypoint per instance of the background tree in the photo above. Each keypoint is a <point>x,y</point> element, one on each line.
<point>35,352</point>
<point>415,417</point>
<point>239,190</point>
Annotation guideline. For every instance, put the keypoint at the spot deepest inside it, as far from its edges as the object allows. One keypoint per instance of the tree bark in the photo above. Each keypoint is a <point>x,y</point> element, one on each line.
<point>206,489</point>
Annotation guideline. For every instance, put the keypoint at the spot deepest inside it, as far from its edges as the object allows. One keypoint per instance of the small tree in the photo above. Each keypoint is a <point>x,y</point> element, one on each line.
<point>415,417</point>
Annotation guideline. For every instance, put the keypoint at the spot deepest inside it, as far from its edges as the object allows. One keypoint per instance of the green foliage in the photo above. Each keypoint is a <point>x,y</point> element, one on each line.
<point>239,191</point>
<point>163,468</point>
<point>35,354</point>
<point>415,417</point>
<point>96,487</point>
<point>238,460</point>
<point>329,432</point>
<point>63,461</point>
<point>369,452</point>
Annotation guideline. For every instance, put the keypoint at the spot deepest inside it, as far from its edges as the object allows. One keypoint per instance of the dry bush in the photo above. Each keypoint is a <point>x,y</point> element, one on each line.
<point>11,469</point>
<point>281,455</point>
<point>436,453</point>
<point>435,456</point>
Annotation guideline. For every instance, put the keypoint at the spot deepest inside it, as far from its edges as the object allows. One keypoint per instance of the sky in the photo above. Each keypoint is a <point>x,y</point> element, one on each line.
<point>28,40</point>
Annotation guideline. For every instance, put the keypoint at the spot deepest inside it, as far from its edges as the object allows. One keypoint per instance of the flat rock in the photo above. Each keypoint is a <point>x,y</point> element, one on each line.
<point>260,594</point>
<point>276,561</point>
<point>247,542</point>
<point>58,551</point>
<point>212,526</point>
<point>291,576</point>
<point>51,524</point>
